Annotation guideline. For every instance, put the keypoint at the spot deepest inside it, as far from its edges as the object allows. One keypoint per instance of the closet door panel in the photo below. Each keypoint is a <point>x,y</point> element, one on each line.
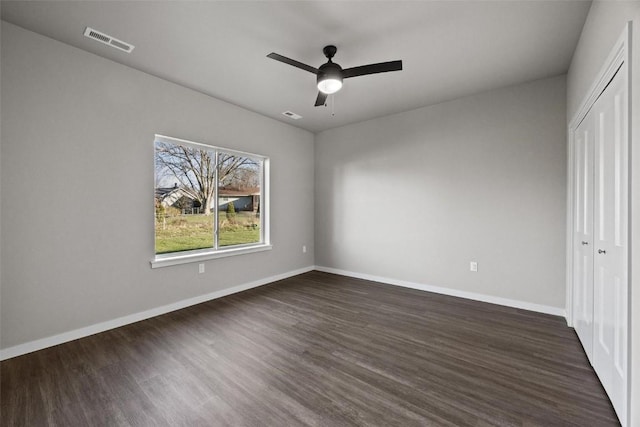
<point>610,232</point>
<point>583,234</point>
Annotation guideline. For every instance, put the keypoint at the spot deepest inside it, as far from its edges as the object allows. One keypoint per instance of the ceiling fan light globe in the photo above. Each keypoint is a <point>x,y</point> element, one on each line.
<point>329,86</point>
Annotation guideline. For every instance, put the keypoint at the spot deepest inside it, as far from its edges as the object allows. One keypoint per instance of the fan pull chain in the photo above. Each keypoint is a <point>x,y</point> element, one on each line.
<point>333,105</point>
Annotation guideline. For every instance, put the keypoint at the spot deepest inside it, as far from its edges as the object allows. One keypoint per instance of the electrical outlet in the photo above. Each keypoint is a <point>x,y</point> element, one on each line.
<point>473,266</point>
<point>200,268</point>
<point>304,249</point>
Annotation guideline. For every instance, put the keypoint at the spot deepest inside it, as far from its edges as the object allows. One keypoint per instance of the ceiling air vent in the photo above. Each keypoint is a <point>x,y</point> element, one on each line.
<point>108,40</point>
<point>292,115</point>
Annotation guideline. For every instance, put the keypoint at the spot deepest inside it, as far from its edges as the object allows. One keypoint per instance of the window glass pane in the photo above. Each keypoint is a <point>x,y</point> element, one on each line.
<point>184,197</point>
<point>239,181</point>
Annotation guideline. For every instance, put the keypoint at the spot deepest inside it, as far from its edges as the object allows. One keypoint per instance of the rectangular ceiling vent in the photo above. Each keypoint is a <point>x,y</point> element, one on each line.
<point>292,115</point>
<point>108,40</point>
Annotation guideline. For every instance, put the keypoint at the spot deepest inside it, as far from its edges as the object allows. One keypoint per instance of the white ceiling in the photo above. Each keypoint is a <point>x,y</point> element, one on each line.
<point>449,48</point>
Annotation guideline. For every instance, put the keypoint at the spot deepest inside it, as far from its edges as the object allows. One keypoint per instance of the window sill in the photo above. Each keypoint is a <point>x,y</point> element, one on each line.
<point>168,260</point>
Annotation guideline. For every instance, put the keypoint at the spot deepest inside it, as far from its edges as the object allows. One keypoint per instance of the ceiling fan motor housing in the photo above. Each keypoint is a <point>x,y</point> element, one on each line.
<point>329,78</point>
<point>330,70</point>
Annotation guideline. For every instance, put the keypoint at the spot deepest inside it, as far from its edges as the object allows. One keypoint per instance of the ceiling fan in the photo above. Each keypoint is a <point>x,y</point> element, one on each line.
<point>330,75</point>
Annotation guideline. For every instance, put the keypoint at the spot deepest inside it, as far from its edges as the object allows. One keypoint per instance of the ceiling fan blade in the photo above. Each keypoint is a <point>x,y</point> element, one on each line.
<point>293,62</point>
<point>321,99</point>
<point>381,67</point>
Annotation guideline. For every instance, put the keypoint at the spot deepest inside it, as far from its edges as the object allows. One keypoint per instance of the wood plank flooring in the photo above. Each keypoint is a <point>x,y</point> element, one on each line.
<point>320,350</point>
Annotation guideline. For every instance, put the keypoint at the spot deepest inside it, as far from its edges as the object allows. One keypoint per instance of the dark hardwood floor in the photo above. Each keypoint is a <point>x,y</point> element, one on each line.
<point>316,349</point>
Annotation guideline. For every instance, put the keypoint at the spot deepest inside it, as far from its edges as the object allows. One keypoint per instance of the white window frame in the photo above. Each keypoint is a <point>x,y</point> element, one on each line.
<point>198,255</point>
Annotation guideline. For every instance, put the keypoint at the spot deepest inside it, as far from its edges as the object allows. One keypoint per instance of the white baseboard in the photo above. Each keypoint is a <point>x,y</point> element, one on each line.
<point>546,309</point>
<point>36,345</point>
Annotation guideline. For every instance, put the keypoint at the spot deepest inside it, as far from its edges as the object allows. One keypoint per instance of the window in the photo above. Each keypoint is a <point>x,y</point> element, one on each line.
<point>209,202</point>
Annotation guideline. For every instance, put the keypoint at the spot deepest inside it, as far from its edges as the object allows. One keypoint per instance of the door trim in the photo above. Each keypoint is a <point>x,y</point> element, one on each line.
<point>620,56</point>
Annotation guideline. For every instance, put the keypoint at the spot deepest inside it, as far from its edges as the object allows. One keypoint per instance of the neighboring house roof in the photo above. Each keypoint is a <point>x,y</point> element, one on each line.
<point>169,196</point>
<point>239,192</point>
<point>162,192</point>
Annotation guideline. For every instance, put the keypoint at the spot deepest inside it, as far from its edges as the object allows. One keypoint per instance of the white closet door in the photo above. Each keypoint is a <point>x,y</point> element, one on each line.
<point>583,233</point>
<point>610,233</point>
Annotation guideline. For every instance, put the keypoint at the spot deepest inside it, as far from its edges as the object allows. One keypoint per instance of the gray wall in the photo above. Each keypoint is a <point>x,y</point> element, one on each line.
<point>77,188</point>
<point>0,187</point>
<point>604,25</point>
<point>486,179</point>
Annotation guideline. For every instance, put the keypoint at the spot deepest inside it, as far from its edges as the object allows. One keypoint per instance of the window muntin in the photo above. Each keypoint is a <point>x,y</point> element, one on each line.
<point>194,186</point>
